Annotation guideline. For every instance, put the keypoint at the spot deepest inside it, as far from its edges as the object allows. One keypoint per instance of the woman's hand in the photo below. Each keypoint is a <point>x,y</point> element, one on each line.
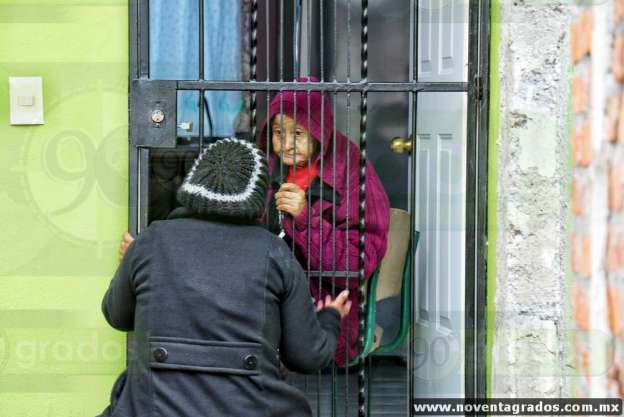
<point>341,303</point>
<point>290,199</point>
<point>126,240</point>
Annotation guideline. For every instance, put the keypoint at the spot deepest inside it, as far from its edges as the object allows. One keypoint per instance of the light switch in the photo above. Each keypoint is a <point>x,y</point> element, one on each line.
<point>26,96</point>
<point>25,100</point>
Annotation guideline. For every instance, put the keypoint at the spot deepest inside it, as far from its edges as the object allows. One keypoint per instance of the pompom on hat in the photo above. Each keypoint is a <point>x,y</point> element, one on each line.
<point>229,179</point>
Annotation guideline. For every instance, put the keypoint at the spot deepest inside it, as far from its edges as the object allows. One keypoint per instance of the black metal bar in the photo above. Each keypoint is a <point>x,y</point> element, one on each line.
<point>481,212</point>
<point>413,120</point>
<point>134,59</point>
<point>335,61</point>
<point>201,38</point>
<point>346,243</point>
<point>471,205</point>
<point>322,40</point>
<point>133,39</point>
<point>253,69</point>
<point>201,93</point>
<point>362,218</point>
<point>143,38</point>
<point>294,167</point>
<point>143,188</point>
<point>348,41</point>
<point>333,285</point>
<point>297,10</point>
<point>267,36</point>
<point>338,87</point>
<point>281,41</point>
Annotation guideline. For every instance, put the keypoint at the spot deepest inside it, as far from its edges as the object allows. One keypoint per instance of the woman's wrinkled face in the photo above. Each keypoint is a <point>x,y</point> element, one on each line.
<point>292,142</point>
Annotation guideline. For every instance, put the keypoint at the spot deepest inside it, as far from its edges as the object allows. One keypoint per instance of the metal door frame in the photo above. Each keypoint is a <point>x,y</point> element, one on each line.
<point>476,165</point>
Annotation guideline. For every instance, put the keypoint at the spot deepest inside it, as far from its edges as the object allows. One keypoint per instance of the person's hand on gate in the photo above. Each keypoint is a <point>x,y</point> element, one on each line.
<point>290,199</point>
<point>341,303</point>
<point>126,240</point>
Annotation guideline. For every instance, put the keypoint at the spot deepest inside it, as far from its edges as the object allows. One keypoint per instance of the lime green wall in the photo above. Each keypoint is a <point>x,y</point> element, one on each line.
<point>493,131</point>
<point>63,205</point>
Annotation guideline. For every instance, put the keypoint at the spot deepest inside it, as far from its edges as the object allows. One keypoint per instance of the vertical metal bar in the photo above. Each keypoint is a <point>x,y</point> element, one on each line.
<point>267,37</point>
<point>254,62</point>
<point>294,158</point>
<point>201,38</point>
<point>143,38</point>
<point>322,30</point>
<point>349,41</point>
<point>269,139</point>
<point>309,195</point>
<point>335,62</point>
<point>297,39</point>
<point>309,37</point>
<point>321,170</point>
<point>134,16</point>
<point>482,147</point>
<point>281,41</point>
<point>476,193</point>
<point>413,118</point>
<point>202,93</point>
<point>143,191</point>
<point>348,173</point>
<point>346,243</point>
<point>309,239</point>
<point>333,290</point>
<point>362,216</point>
<point>470,340</point>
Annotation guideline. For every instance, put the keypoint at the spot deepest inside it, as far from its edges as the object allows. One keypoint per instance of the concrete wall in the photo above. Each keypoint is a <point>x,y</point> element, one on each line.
<point>530,340</point>
<point>63,204</point>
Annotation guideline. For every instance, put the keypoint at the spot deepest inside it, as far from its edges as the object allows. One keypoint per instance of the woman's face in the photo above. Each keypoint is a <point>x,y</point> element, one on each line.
<point>292,142</point>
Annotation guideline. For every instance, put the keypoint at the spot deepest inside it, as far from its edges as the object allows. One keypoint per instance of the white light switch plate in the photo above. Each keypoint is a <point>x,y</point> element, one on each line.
<point>26,95</point>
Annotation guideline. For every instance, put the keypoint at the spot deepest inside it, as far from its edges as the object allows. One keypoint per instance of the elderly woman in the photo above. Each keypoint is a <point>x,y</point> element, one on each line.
<point>315,184</point>
<point>216,302</point>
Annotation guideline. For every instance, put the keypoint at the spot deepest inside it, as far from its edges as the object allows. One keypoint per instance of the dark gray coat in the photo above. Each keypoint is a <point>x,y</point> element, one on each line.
<point>210,304</point>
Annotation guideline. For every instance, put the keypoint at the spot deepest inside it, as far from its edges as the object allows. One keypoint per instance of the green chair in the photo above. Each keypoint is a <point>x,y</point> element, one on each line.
<point>392,278</point>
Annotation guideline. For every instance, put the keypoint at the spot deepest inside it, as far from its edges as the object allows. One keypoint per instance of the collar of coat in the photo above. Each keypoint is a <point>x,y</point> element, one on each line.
<point>186,213</point>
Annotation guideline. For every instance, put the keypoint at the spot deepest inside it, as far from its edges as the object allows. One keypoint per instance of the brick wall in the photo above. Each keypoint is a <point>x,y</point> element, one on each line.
<point>597,241</point>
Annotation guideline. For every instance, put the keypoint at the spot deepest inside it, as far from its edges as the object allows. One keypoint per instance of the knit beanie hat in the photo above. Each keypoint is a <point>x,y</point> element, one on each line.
<point>229,179</point>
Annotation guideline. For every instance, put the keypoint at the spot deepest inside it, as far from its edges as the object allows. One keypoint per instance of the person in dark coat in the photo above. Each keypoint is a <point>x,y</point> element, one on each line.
<point>215,302</point>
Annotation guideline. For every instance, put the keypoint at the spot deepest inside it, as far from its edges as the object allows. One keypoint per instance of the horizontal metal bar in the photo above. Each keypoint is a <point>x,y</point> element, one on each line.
<point>325,86</point>
<point>334,274</point>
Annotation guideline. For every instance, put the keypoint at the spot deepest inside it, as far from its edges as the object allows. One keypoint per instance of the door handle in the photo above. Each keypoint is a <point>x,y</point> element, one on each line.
<point>188,126</point>
<point>401,145</point>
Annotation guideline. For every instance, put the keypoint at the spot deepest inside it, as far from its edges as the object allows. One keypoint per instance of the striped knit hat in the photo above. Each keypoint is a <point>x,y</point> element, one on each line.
<point>228,179</point>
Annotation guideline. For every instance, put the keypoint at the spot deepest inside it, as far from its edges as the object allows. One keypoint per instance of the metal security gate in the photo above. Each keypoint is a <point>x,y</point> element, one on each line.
<point>407,81</point>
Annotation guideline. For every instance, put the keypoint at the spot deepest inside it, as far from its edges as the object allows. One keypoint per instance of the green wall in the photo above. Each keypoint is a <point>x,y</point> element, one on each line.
<point>63,204</point>
<point>493,132</point>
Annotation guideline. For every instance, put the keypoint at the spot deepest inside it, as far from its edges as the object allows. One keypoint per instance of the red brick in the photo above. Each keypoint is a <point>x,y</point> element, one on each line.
<point>614,310</point>
<point>581,309</point>
<point>581,145</point>
<point>615,249</point>
<point>581,255</point>
<point>618,10</point>
<point>581,35</point>
<point>613,114</point>
<point>580,93</point>
<point>613,379</point>
<point>615,181</point>
<point>578,198</point>
<point>617,58</point>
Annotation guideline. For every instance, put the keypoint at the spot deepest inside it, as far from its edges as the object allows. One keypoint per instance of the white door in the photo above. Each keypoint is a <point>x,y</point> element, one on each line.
<point>440,203</point>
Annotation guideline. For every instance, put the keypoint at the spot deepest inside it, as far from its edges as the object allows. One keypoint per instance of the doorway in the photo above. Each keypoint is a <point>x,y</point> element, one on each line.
<point>407,81</point>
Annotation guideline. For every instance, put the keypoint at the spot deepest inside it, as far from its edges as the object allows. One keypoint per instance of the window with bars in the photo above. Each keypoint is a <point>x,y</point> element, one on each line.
<point>401,90</point>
